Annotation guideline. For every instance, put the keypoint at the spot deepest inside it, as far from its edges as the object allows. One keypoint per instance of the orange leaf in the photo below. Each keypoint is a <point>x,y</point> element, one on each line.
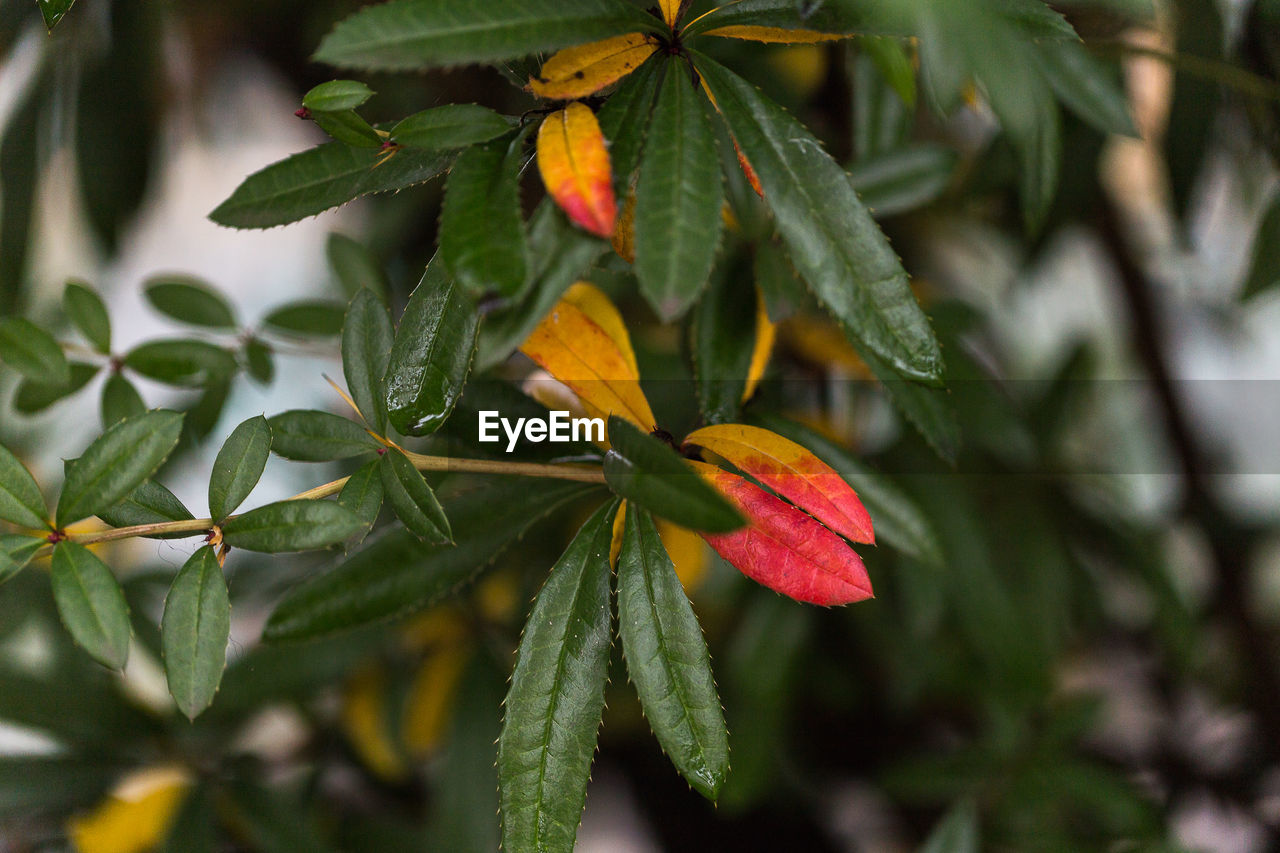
<point>785,548</point>
<point>766,333</point>
<point>774,35</point>
<point>585,69</point>
<point>747,169</point>
<point>583,343</point>
<point>793,472</point>
<point>687,552</point>
<point>624,233</point>
<point>575,168</point>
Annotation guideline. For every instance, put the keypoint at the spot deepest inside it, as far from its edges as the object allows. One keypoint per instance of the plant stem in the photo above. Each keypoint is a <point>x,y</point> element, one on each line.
<point>1215,71</point>
<point>195,526</point>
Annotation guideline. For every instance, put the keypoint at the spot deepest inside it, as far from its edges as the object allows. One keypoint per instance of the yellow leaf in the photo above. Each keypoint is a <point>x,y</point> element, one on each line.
<point>774,35</point>
<point>583,344</point>
<point>619,527</point>
<point>821,342</point>
<point>802,67</point>
<point>429,704</point>
<point>585,69</point>
<point>766,333</point>
<point>670,11</point>
<point>575,167</point>
<point>135,816</point>
<point>365,720</point>
<point>687,551</point>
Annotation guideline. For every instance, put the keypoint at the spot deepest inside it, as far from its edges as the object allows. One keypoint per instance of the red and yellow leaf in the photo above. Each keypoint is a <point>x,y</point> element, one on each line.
<point>766,334</point>
<point>583,343</point>
<point>774,35</point>
<point>785,548</point>
<point>585,69</point>
<point>793,472</point>
<point>575,167</point>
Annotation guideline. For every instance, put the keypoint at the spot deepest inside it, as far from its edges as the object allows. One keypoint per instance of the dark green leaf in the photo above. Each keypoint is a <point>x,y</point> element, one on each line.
<point>117,463</point>
<point>306,435</point>
<point>326,176</point>
<point>15,552</point>
<point>363,495</point>
<point>348,128</point>
<point>449,127</point>
<point>87,312</point>
<point>396,574</point>
<point>903,179</point>
<point>91,604</point>
<point>552,711</point>
<point>838,18</point>
<point>412,499</point>
<point>355,266</point>
<point>189,300</point>
<point>239,466</point>
<point>782,290</point>
<point>32,396</point>
<point>833,241</point>
<point>259,361</point>
<point>642,469</point>
<point>624,121</point>
<point>35,785</point>
<point>957,832</point>
<point>309,317</point>
<point>723,340</point>
<point>20,498</point>
<point>894,64</point>
<point>929,410</point>
<point>1264,270</point>
<point>149,503</point>
<point>667,658</point>
<point>194,827</point>
<point>301,525</point>
<point>181,362</point>
<point>336,96</point>
<point>417,34</point>
<point>432,354</point>
<point>1089,87</point>
<point>53,11</point>
<point>120,400</point>
<point>678,198</point>
<point>882,123</point>
<point>33,352</point>
<point>195,630</point>
<point>482,239</point>
<point>366,349</point>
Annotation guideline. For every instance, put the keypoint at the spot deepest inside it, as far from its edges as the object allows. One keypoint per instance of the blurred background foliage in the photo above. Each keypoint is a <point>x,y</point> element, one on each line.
<point>1076,651</point>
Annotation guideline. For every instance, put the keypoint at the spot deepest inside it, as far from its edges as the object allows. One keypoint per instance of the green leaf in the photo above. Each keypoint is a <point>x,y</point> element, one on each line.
<point>1264,270</point>
<point>258,361</point>
<point>833,241</point>
<point>396,574</point>
<point>355,266</point>
<point>1089,87</point>
<point>367,336</point>
<point>33,352</point>
<point>120,400</point>
<point>348,128</point>
<point>15,552</point>
<point>326,176</point>
<point>415,34</point>
<point>482,239</point>
<point>624,121</point>
<point>91,604</point>
<point>927,409</point>
<point>87,312</point>
<point>412,499</point>
<point>667,658</point>
<point>363,494</point>
<point>336,96</point>
<point>449,127</point>
<point>783,292</point>
<point>53,11</point>
<point>723,333</point>
<point>239,466</point>
<point>837,18</point>
<point>181,362</point>
<point>53,785</point>
<point>882,123</point>
<point>307,317</point>
<point>32,396</point>
<point>190,300</point>
<point>894,63</point>
<point>307,435</point>
<point>899,521</point>
<point>432,354</point>
<point>554,705</point>
<point>301,525</point>
<point>678,198</point>
<point>20,498</point>
<point>149,503</point>
<point>957,832</point>
<point>903,179</point>
<point>116,463</point>
<point>194,631</point>
<point>643,470</point>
